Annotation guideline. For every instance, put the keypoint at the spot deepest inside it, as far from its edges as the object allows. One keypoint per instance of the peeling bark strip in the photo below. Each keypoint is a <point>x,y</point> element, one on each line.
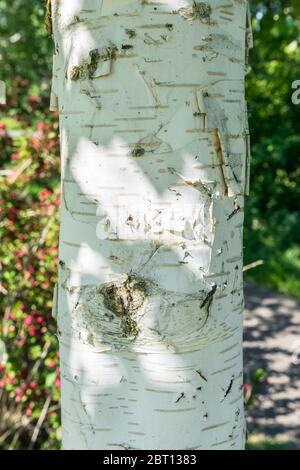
<point>198,10</point>
<point>155,157</point>
<point>48,17</point>
<point>96,58</point>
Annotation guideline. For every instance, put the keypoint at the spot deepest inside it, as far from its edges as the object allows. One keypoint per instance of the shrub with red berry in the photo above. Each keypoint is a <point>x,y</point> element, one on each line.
<point>29,203</point>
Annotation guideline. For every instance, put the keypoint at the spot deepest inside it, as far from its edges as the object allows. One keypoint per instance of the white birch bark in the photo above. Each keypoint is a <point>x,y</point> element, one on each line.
<point>2,93</point>
<point>154,148</point>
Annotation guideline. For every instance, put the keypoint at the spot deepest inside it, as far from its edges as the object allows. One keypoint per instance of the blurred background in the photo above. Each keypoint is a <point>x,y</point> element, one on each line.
<point>29,205</point>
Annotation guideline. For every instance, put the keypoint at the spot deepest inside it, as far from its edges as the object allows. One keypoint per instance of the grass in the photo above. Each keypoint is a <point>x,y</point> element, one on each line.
<point>281,268</point>
<point>261,442</point>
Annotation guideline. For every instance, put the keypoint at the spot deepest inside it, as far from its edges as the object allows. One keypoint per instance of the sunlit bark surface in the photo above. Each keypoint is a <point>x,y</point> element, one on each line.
<point>154,148</point>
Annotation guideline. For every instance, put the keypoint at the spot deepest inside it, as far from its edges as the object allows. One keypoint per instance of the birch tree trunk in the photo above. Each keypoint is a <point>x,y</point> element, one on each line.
<point>154,148</point>
<point>2,93</point>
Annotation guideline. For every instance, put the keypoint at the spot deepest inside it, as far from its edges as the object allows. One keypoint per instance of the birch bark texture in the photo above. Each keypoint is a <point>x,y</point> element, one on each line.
<point>155,167</point>
<point>2,93</point>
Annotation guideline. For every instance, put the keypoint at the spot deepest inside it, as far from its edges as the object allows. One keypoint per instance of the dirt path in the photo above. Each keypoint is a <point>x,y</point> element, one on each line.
<point>272,335</point>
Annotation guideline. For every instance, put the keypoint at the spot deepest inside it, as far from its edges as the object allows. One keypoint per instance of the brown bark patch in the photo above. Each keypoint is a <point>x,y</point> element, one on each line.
<point>124,299</point>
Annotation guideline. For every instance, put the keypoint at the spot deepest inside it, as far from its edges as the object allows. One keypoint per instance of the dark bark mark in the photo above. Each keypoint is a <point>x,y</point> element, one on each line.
<point>138,152</point>
<point>237,414</point>
<point>198,11</point>
<point>202,376</point>
<point>130,33</point>
<point>235,211</point>
<point>126,47</point>
<point>208,301</point>
<point>88,70</point>
<point>202,11</point>
<point>180,397</point>
<point>219,153</point>
<point>124,299</point>
<point>108,53</point>
<point>229,388</point>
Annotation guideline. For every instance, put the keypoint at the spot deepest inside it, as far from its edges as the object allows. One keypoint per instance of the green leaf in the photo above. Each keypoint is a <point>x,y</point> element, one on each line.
<point>50,379</point>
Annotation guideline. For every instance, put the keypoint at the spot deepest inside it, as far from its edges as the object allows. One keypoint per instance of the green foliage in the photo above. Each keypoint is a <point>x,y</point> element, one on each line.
<point>25,47</point>
<point>257,378</point>
<point>272,211</point>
